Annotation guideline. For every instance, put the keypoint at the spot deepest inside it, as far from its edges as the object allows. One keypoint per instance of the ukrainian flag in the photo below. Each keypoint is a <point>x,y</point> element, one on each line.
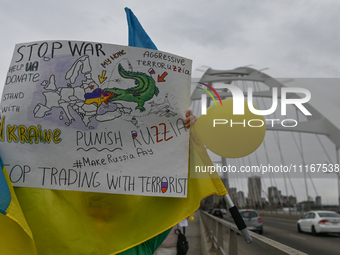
<point>137,35</point>
<point>72,222</point>
<point>15,235</point>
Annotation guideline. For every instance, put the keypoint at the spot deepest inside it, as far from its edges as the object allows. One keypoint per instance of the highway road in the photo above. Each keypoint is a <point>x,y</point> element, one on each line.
<point>284,231</point>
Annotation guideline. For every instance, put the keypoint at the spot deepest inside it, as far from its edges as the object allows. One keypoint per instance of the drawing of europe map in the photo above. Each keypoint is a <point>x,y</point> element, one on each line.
<point>96,117</point>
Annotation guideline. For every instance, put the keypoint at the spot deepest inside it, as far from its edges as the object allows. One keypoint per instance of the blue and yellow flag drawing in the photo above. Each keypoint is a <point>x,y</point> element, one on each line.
<point>53,222</point>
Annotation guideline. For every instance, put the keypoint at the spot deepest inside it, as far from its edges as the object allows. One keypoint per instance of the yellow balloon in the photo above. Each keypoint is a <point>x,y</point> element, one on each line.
<point>234,136</point>
<point>191,218</point>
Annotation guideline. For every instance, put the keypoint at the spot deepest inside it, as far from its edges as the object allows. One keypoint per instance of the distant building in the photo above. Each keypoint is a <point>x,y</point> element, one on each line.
<point>288,201</point>
<point>254,190</point>
<point>233,193</point>
<point>305,205</point>
<point>241,202</point>
<point>273,195</point>
<point>284,200</point>
<point>318,201</point>
<point>211,201</point>
<point>292,200</point>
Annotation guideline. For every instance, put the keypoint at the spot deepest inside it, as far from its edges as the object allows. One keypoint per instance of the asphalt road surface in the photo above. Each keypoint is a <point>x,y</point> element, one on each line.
<point>285,232</point>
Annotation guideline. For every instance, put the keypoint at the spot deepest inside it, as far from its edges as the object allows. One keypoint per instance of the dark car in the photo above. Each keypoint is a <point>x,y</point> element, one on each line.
<point>217,213</point>
<point>210,210</point>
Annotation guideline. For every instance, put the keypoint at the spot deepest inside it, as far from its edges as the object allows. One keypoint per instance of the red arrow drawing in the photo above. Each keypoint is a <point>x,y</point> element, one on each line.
<point>161,78</point>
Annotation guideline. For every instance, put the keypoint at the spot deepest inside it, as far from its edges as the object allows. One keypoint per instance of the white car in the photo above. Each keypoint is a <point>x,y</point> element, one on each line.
<point>319,222</point>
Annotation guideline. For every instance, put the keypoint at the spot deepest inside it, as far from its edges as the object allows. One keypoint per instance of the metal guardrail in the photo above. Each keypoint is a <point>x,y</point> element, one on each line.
<point>215,228</point>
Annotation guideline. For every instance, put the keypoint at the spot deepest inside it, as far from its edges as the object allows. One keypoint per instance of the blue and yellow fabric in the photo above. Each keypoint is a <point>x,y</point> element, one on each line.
<point>15,235</point>
<point>58,222</point>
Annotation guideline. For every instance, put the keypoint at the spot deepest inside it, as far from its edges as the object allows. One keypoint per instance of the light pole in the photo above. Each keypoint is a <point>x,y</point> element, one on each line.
<point>338,162</point>
<point>338,174</point>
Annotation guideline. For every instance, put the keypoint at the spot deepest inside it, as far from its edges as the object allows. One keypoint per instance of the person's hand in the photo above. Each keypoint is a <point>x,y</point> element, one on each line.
<point>190,119</point>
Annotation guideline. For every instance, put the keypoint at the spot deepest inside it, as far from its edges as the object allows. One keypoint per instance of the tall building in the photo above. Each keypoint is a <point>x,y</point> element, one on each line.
<point>318,201</point>
<point>273,195</point>
<point>254,190</point>
<point>241,202</point>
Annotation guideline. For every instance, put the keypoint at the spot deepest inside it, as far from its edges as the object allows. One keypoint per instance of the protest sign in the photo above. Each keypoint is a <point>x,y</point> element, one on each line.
<point>96,117</point>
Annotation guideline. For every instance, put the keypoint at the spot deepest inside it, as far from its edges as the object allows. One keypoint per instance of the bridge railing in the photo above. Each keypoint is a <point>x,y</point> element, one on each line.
<point>215,228</point>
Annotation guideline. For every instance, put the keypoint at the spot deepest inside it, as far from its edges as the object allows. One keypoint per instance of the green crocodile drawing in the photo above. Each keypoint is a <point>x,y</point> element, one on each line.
<point>144,91</point>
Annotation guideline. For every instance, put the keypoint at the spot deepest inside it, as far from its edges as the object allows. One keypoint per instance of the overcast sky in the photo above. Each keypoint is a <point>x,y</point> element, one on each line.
<point>295,38</point>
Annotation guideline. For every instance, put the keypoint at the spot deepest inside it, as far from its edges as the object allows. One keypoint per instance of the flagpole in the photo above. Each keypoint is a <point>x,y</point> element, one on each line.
<point>238,219</point>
